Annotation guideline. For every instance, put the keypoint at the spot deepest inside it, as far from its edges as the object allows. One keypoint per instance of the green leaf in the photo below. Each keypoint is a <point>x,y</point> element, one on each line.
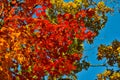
<point>35,77</point>
<point>17,78</point>
<point>29,69</point>
<point>76,41</point>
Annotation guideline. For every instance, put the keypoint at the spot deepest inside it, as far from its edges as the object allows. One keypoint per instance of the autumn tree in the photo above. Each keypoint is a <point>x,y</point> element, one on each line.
<point>41,38</point>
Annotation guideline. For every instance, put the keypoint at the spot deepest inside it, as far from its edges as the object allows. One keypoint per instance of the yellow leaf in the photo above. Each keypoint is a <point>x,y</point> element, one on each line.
<point>78,1</point>
<point>20,58</point>
<point>7,55</point>
<point>118,49</point>
<point>52,1</point>
<point>11,29</point>
<point>2,41</point>
<point>17,34</point>
<point>101,5</point>
<point>3,28</point>
<point>1,68</point>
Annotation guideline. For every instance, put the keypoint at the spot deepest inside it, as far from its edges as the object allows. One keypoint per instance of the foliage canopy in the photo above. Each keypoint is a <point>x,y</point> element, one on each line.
<point>45,38</point>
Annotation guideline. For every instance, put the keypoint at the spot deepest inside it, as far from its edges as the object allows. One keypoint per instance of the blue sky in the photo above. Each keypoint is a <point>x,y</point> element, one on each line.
<point>110,32</point>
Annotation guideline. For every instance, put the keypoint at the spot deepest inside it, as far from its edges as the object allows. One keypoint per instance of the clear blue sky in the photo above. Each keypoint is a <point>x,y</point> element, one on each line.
<point>110,32</point>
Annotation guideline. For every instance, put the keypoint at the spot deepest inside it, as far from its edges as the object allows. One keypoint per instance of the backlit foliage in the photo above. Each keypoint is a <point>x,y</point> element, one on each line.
<point>112,55</point>
<point>45,37</point>
<point>109,75</point>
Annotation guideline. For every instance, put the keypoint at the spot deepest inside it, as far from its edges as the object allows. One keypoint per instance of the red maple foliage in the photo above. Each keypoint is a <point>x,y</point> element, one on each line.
<point>28,38</point>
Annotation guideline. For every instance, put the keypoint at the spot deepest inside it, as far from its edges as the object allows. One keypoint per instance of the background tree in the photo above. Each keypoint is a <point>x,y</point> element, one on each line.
<point>45,37</point>
<point>112,55</point>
